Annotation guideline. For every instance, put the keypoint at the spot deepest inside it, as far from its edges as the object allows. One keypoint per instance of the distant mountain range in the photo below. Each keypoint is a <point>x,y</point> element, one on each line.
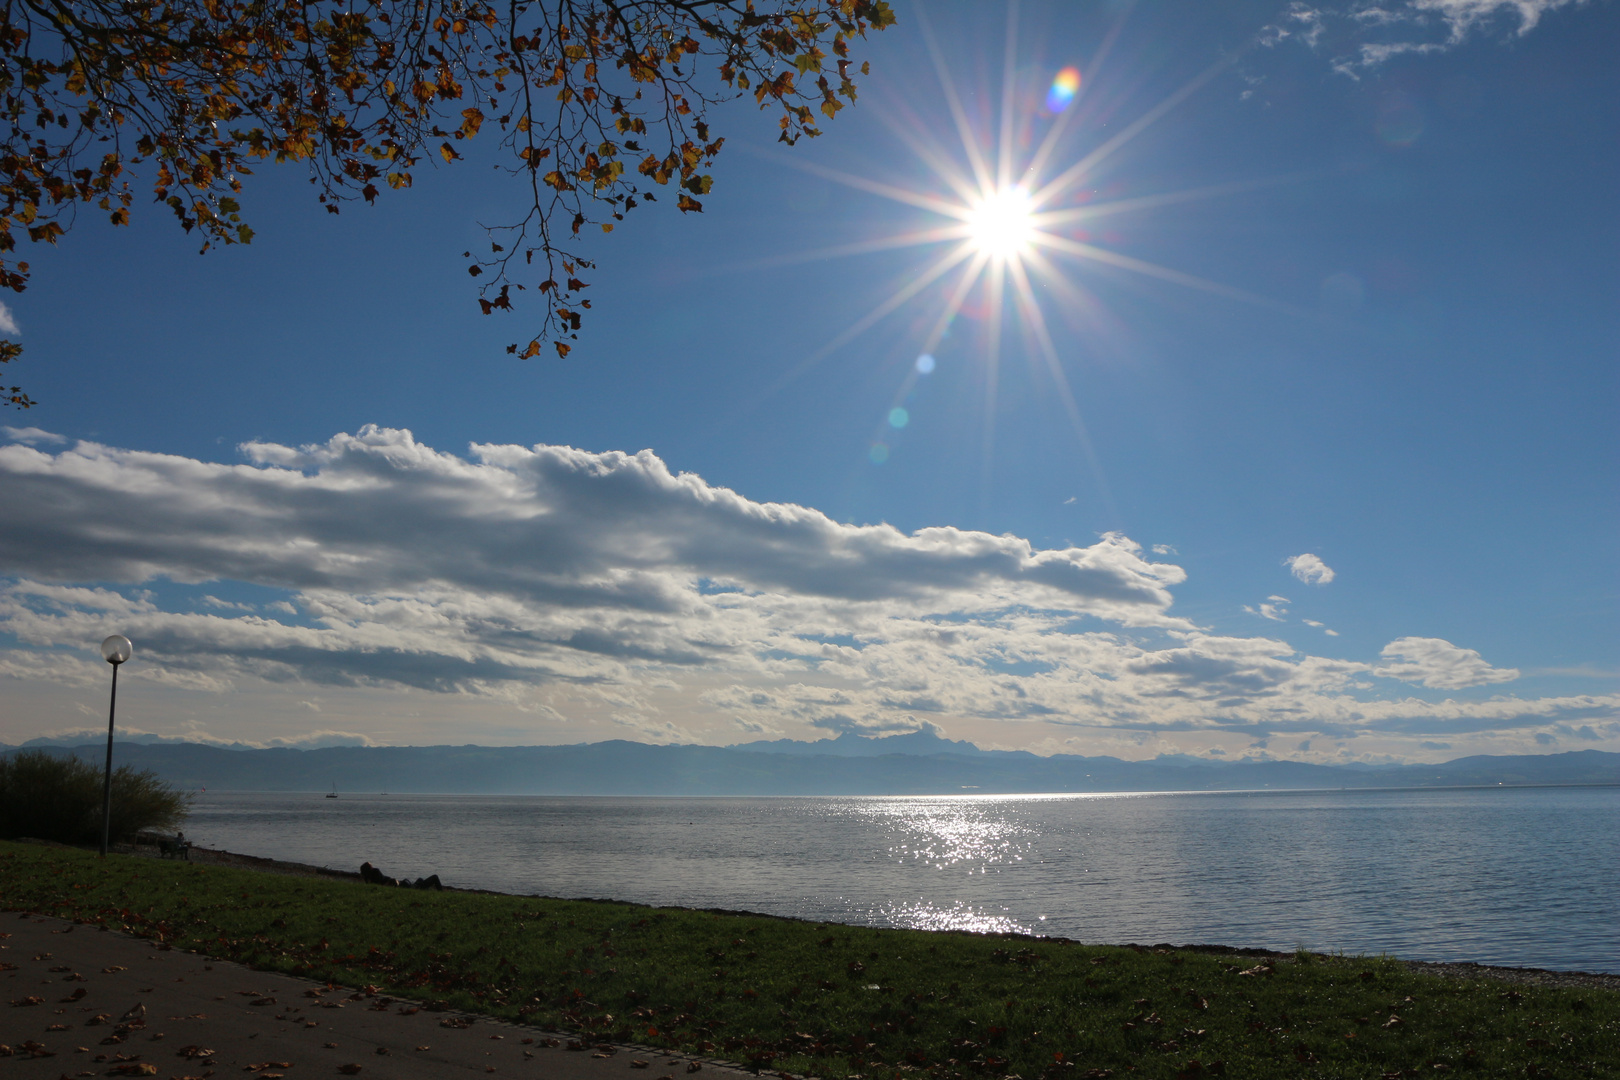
<point>920,763</point>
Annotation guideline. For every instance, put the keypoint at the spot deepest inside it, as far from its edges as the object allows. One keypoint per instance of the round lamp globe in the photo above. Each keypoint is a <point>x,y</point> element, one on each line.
<point>116,649</point>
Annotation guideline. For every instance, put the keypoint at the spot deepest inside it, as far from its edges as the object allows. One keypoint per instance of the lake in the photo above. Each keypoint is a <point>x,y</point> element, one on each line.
<point>1514,876</point>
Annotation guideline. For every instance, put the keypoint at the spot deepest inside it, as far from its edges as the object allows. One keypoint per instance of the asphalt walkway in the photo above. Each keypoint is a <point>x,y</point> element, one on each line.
<point>80,1001</point>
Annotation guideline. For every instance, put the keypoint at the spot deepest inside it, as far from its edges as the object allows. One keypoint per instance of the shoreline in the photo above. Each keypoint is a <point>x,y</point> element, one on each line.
<point>1442,969</point>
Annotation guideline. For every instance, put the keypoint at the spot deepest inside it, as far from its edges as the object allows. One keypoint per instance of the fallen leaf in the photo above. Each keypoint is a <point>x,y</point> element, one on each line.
<point>349,1069</point>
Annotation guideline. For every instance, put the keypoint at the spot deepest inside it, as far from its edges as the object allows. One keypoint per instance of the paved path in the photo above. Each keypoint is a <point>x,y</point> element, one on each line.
<point>79,1001</point>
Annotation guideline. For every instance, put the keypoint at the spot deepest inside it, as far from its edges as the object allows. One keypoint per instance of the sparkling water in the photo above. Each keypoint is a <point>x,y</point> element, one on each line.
<point>1516,876</point>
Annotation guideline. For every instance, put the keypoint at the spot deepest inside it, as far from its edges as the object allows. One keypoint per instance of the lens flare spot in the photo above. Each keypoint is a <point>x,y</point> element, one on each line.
<point>1400,121</point>
<point>1064,87</point>
<point>925,364</point>
<point>1343,293</point>
<point>898,417</point>
<point>1002,223</point>
<point>879,453</point>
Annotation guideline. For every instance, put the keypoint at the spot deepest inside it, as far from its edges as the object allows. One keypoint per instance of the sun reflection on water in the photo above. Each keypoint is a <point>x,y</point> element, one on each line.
<point>971,835</point>
<point>923,915</point>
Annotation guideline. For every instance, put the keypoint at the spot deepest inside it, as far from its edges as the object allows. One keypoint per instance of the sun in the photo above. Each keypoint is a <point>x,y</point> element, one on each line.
<point>1001,224</point>
<point>1016,227</point>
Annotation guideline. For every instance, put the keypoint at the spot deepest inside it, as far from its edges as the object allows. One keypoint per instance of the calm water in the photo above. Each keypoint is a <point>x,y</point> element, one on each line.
<point>1525,876</point>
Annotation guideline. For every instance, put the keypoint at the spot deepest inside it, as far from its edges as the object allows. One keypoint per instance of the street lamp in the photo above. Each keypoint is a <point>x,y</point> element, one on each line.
<point>115,650</point>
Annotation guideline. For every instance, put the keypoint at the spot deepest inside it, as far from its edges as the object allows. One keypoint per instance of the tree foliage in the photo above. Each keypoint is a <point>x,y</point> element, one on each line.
<point>56,796</point>
<point>601,105</point>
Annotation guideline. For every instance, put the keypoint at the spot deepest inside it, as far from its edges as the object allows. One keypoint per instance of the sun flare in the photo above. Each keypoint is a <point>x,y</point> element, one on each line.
<point>1001,224</point>
<point>1015,219</point>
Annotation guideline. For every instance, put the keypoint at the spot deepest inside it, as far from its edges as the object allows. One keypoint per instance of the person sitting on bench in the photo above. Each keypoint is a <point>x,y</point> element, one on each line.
<point>179,846</point>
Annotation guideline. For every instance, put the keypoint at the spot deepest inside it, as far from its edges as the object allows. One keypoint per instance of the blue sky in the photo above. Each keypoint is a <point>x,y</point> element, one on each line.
<point>1383,336</point>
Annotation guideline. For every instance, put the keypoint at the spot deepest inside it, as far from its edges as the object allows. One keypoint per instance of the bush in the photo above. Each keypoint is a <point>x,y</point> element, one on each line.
<point>58,797</point>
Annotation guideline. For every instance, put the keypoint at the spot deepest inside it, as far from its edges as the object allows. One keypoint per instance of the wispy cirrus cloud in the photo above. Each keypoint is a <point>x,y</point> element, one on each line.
<point>668,602</point>
<point>31,435</point>
<point>1364,34</point>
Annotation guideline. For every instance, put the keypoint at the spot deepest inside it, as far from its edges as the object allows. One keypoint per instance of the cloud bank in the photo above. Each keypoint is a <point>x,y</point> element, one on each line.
<point>529,574</point>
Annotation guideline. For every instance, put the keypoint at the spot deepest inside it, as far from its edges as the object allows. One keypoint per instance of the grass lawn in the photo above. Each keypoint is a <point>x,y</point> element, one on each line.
<point>839,1001</point>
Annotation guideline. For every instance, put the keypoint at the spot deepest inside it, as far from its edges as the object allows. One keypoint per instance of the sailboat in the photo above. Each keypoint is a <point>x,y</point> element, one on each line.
<point>333,793</point>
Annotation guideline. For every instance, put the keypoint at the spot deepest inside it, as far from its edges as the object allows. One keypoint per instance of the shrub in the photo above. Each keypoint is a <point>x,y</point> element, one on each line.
<point>58,797</point>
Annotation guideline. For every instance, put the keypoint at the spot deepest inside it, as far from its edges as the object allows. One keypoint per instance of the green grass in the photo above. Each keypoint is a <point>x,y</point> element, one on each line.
<point>839,1001</point>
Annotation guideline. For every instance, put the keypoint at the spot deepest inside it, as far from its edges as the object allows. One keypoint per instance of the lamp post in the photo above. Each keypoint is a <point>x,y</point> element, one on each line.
<point>115,650</point>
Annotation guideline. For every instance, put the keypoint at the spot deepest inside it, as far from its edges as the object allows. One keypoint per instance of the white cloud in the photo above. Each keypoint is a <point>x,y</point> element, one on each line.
<point>1461,16</point>
<point>31,435</point>
<point>1165,549</point>
<point>1298,20</point>
<point>559,581</point>
<point>8,321</point>
<point>547,525</point>
<point>1438,663</point>
<point>1363,34</point>
<point>1273,609</point>
<point>1310,569</point>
